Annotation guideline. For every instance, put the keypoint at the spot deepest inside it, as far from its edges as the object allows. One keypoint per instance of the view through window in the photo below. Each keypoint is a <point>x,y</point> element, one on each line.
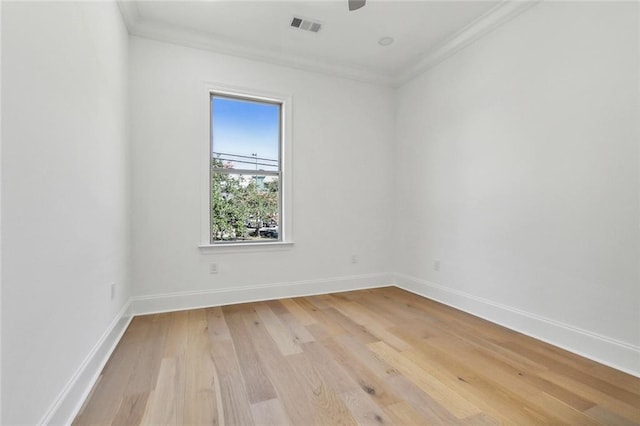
<point>246,199</point>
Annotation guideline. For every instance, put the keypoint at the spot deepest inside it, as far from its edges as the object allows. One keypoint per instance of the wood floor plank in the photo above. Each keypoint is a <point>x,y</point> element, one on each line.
<point>399,314</point>
<point>358,331</point>
<point>506,392</point>
<point>300,333</point>
<point>452,401</point>
<point>617,392</point>
<point>175,343</point>
<point>371,324</point>
<point>171,387</point>
<point>276,307</point>
<point>281,335</point>
<point>147,366</point>
<point>269,413</point>
<point>293,306</point>
<point>380,356</point>
<point>334,373</point>
<point>364,410</point>
<point>203,402</point>
<point>616,377</point>
<point>109,391</point>
<point>607,417</point>
<point>361,314</point>
<point>367,357</point>
<point>326,326</point>
<point>470,383</point>
<point>258,386</point>
<point>402,413</point>
<point>236,409</point>
<point>290,390</point>
<point>132,409</point>
<point>603,400</point>
<point>481,419</point>
<point>430,410</point>
<point>321,301</point>
<point>165,400</point>
<point>368,381</point>
<point>216,325</point>
<point>562,412</point>
<point>329,407</point>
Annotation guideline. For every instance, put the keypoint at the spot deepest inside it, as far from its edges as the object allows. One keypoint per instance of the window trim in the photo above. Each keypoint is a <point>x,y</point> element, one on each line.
<point>285,227</point>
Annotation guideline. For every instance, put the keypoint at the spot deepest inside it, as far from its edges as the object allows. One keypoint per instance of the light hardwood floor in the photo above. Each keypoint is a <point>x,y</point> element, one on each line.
<point>381,356</point>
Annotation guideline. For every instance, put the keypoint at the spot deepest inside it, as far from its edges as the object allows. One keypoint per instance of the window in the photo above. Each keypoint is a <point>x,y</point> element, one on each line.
<point>246,186</point>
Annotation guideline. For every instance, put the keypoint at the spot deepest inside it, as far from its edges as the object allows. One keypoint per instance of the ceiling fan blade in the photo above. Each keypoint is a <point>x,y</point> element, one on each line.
<point>356,4</point>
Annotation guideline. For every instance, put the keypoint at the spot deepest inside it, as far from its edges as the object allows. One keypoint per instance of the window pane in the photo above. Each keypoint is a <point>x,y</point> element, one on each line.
<point>244,207</point>
<point>245,133</point>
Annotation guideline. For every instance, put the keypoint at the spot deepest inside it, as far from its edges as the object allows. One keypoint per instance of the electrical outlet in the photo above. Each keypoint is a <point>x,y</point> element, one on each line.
<point>213,268</point>
<point>354,258</point>
<point>112,290</point>
<point>436,265</point>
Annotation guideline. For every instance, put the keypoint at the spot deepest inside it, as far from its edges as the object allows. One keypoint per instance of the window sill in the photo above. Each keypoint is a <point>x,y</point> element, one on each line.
<point>223,248</point>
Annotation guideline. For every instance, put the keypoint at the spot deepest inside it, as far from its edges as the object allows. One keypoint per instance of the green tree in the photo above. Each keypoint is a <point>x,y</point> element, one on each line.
<point>272,186</point>
<point>228,207</point>
<point>235,203</point>
<point>262,204</point>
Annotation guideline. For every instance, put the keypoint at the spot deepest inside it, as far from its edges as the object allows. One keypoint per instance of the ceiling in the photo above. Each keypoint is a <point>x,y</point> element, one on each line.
<point>347,43</point>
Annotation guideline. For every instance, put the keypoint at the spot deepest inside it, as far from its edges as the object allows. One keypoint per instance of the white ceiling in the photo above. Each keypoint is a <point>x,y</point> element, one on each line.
<point>347,43</point>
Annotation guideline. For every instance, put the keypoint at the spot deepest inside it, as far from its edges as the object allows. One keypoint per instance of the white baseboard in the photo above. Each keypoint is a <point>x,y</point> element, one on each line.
<point>611,352</point>
<point>68,403</point>
<point>156,303</point>
<point>614,353</point>
<point>70,400</point>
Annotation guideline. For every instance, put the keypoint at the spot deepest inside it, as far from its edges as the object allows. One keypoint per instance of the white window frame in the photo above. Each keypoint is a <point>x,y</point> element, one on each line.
<point>285,227</point>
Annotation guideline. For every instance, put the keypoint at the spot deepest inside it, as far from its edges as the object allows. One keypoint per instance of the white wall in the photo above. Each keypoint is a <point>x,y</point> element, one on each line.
<point>342,133</point>
<point>517,164</point>
<point>65,197</point>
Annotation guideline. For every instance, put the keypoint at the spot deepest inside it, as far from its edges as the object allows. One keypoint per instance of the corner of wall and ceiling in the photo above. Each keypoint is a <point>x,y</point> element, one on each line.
<point>137,26</point>
<point>497,16</point>
<point>502,13</point>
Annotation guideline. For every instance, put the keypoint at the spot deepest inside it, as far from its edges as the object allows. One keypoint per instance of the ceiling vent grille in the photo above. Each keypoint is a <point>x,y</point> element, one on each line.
<point>306,24</point>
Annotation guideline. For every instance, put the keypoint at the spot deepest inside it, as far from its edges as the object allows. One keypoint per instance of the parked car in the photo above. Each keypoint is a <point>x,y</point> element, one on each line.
<point>269,233</point>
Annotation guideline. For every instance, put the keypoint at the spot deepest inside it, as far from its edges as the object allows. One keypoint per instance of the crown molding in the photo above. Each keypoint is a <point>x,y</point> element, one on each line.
<point>483,25</point>
<point>495,17</point>
<point>201,40</point>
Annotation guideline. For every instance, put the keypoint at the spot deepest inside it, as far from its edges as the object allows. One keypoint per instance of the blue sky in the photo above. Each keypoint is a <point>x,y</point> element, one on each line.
<point>244,128</point>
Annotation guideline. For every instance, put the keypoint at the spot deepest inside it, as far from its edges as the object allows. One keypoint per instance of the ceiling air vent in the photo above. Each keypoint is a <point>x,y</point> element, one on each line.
<point>306,24</point>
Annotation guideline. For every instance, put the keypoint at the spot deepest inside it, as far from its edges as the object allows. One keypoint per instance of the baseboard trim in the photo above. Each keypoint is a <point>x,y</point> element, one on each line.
<point>616,354</point>
<point>68,403</point>
<point>70,400</point>
<point>605,350</point>
<point>142,305</point>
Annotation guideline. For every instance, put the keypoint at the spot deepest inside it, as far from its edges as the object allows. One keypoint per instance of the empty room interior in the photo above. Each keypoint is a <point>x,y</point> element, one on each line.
<point>320,212</point>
